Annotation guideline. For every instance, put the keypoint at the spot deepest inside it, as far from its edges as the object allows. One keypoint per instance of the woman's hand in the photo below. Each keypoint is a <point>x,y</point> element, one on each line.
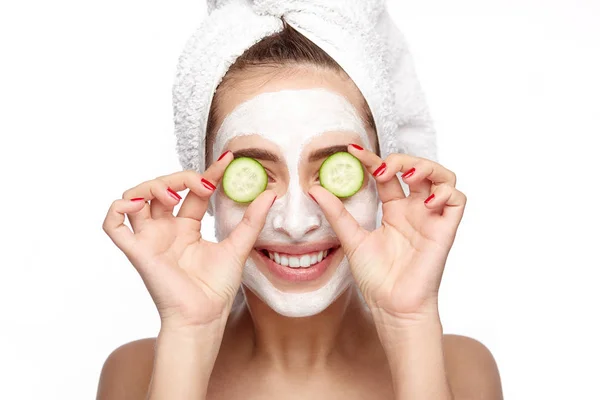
<point>192,281</point>
<point>398,267</point>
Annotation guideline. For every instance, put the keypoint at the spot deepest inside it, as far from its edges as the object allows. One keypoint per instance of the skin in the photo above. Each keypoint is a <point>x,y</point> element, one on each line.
<point>389,347</point>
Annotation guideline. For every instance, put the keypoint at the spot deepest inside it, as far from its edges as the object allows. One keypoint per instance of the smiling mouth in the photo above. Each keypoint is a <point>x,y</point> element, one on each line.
<point>298,263</point>
<point>297,260</point>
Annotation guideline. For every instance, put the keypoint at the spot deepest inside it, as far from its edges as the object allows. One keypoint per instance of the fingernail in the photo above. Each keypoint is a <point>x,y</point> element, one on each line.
<point>408,173</point>
<point>357,147</point>
<point>380,170</point>
<point>137,199</point>
<point>427,200</point>
<point>223,155</point>
<point>208,185</point>
<point>312,197</point>
<point>174,194</point>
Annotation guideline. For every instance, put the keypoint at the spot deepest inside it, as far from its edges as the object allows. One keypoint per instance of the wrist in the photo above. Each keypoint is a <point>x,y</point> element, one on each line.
<point>425,317</point>
<point>193,333</point>
<point>178,327</point>
<point>402,335</point>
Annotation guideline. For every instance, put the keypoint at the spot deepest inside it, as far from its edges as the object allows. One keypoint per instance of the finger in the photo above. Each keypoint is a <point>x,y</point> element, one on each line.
<point>165,198</point>
<point>137,219</point>
<point>452,200</point>
<point>162,198</point>
<point>347,229</point>
<point>388,185</point>
<point>196,202</point>
<point>114,226</point>
<point>448,201</point>
<point>155,192</point>
<point>420,173</point>
<point>242,239</point>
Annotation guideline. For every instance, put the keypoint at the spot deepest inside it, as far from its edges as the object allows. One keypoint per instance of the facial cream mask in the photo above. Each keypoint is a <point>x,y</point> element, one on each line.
<point>291,119</point>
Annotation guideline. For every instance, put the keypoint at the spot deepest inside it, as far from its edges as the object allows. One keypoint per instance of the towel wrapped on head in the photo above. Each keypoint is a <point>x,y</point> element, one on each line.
<point>358,34</point>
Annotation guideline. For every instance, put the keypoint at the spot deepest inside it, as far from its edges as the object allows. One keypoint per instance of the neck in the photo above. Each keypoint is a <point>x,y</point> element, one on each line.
<point>307,342</point>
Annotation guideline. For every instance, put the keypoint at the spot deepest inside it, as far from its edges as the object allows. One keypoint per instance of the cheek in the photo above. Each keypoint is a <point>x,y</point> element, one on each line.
<point>363,206</point>
<point>228,215</point>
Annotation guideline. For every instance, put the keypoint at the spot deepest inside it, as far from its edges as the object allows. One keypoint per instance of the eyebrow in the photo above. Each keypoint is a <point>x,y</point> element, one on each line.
<point>259,154</point>
<point>326,152</point>
<point>265,155</point>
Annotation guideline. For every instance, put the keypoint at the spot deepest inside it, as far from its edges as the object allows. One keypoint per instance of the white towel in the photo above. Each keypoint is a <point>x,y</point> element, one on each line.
<point>359,34</point>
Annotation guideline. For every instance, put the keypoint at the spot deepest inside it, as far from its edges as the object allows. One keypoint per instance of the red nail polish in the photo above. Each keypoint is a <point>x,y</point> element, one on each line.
<point>427,200</point>
<point>357,147</point>
<point>312,197</point>
<point>223,155</point>
<point>174,193</point>
<point>208,185</point>
<point>380,170</point>
<point>408,173</point>
<point>137,199</point>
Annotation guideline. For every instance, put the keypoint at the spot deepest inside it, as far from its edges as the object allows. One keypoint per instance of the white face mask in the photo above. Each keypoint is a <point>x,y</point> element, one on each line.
<point>291,119</point>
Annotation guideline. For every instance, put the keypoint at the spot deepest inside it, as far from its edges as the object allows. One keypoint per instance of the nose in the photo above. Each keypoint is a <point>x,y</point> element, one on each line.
<point>297,215</point>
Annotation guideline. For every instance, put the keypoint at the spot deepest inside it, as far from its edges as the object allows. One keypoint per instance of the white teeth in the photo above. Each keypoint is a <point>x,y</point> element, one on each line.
<point>305,261</point>
<point>300,261</point>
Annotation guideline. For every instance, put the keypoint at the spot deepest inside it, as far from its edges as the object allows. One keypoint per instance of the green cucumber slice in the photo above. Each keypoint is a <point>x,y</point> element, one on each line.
<point>342,174</point>
<point>244,179</point>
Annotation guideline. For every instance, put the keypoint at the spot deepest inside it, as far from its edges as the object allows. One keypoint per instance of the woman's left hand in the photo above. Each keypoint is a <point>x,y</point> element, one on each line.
<point>398,267</point>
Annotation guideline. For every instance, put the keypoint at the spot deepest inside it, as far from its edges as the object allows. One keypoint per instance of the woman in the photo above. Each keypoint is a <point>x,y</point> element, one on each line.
<point>332,306</point>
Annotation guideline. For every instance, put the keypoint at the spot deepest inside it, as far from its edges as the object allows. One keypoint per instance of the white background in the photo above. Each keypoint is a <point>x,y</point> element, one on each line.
<point>513,85</point>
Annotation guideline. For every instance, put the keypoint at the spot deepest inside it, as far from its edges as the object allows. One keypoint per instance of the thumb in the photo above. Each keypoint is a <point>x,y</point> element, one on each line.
<point>348,231</point>
<point>243,237</point>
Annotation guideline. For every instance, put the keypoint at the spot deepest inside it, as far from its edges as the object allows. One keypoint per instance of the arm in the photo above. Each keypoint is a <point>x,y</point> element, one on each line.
<point>398,268</point>
<point>192,297</point>
<point>184,362</point>
<point>415,355</point>
<point>425,364</point>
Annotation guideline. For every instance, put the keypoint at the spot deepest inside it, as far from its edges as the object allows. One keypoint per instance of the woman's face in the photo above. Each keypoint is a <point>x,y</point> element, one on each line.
<point>290,125</point>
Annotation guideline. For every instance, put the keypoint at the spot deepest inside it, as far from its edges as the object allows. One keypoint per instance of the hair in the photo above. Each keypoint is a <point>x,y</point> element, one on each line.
<point>287,47</point>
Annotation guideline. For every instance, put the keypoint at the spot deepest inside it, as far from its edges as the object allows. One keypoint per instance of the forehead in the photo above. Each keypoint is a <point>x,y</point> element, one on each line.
<point>246,85</point>
<point>291,116</point>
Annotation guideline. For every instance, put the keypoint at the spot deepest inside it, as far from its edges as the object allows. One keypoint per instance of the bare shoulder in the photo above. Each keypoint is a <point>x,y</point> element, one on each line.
<point>127,371</point>
<point>471,368</point>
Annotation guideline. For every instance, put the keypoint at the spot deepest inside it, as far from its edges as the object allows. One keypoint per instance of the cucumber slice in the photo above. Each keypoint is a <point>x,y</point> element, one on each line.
<point>244,179</point>
<point>342,174</point>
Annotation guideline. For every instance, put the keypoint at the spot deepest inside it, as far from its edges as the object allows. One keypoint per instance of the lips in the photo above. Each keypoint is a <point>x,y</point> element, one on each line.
<point>298,263</point>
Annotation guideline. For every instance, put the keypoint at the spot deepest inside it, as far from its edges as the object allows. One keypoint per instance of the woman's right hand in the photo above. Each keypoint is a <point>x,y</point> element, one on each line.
<point>193,282</point>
